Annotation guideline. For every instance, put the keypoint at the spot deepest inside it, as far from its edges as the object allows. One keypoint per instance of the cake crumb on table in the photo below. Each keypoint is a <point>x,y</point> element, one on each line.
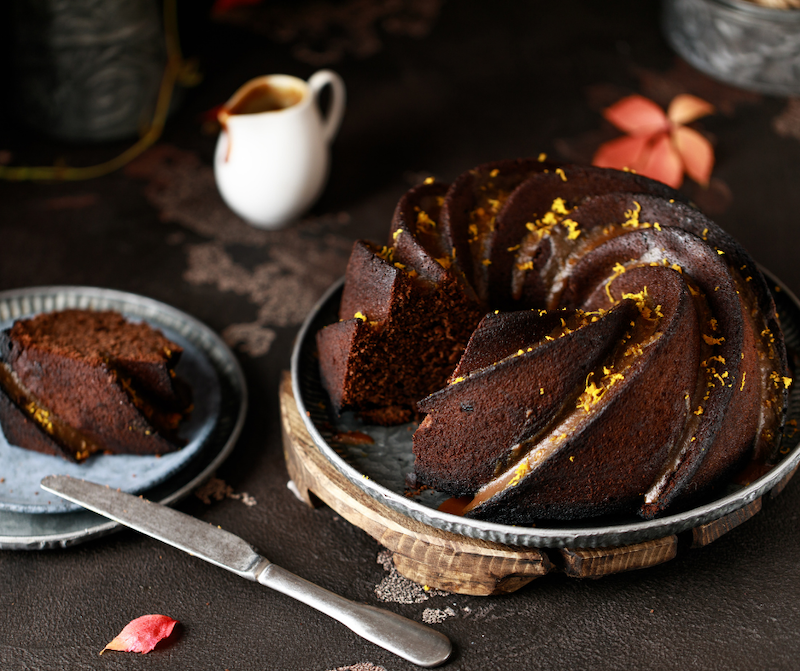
<point>395,588</point>
<point>436,615</point>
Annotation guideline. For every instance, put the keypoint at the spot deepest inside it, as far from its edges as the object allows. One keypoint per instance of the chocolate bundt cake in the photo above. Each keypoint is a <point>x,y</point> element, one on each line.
<point>77,382</point>
<point>631,358</point>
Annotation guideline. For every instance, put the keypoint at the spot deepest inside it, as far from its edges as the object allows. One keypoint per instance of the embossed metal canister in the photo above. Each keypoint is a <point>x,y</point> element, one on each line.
<point>738,42</point>
<point>87,70</point>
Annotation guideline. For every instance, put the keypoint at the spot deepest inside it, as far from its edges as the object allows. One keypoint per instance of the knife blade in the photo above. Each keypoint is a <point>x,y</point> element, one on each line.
<point>406,638</point>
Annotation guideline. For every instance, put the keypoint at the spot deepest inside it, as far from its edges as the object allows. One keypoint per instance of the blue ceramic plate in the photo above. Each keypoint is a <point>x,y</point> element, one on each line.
<point>29,517</point>
<point>22,469</point>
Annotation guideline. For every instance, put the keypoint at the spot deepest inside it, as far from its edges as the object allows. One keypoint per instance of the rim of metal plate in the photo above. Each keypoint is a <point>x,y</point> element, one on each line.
<point>41,532</point>
<point>614,535</point>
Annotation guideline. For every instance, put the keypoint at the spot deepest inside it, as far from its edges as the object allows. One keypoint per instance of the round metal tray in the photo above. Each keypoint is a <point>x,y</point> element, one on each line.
<point>379,469</point>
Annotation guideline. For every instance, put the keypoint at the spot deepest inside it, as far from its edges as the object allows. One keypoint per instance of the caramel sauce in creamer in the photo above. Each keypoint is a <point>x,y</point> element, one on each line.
<point>260,99</point>
<point>266,98</point>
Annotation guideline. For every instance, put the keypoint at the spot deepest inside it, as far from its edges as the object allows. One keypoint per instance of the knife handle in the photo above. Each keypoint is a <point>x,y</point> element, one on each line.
<point>406,638</point>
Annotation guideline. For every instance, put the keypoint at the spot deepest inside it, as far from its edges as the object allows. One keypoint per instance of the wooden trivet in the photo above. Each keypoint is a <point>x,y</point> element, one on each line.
<point>455,563</point>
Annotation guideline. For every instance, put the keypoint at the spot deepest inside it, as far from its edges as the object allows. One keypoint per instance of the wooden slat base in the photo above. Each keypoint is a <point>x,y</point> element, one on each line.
<point>709,532</point>
<point>597,562</point>
<point>451,562</point>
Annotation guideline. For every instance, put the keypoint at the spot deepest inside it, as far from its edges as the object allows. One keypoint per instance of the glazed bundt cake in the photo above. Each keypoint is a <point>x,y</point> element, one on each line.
<point>628,358</point>
<point>78,382</point>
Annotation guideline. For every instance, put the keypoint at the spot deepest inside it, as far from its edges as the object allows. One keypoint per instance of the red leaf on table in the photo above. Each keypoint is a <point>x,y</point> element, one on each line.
<point>142,634</point>
<point>658,145</point>
<point>664,162</point>
<point>637,115</point>
<point>686,108</point>
<point>696,152</point>
<point>627,151</point>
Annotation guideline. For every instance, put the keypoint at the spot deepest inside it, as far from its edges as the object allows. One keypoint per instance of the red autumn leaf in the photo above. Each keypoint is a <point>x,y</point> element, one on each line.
<point>623,152</point>
<point>686,108</point>
<point>696,152</point>
<point>659,145</point>
<point>663,163</point>
<point>636,115</point>
<point>142,634</point>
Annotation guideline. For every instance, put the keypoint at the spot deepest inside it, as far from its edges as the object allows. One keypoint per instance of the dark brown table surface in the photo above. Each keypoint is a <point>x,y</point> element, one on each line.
<point>434,88</point>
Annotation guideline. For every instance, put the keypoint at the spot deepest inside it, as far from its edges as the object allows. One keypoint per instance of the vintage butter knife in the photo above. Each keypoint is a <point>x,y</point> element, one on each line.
<point>408,639</point>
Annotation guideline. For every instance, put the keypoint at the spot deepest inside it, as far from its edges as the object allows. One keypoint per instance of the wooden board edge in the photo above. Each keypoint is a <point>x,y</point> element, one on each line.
<point>291,435</point>
<point>710,531</point>
<point>598,562</point>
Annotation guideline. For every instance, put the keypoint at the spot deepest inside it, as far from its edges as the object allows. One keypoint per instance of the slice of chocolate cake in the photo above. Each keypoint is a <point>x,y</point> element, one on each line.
<point>77,382</point>
<point>378,328</point>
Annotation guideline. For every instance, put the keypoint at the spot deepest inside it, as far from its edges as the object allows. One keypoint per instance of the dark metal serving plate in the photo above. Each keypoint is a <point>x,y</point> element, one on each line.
<point>20,529</point>
<point>379,469</point>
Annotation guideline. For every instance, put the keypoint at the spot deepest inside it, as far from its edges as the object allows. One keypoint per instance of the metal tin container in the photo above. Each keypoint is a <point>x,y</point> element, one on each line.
<point>738,42</point>
<point>87,70</point>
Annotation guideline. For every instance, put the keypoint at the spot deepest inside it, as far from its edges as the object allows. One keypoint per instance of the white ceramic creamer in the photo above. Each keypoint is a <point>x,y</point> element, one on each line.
<point>272,156</point>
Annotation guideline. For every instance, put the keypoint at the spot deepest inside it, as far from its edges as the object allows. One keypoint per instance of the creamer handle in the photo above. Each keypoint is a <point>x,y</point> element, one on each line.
<point>318,81</point>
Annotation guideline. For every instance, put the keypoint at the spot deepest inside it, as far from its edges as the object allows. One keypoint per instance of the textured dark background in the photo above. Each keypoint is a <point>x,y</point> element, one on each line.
<point>433,88</point>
